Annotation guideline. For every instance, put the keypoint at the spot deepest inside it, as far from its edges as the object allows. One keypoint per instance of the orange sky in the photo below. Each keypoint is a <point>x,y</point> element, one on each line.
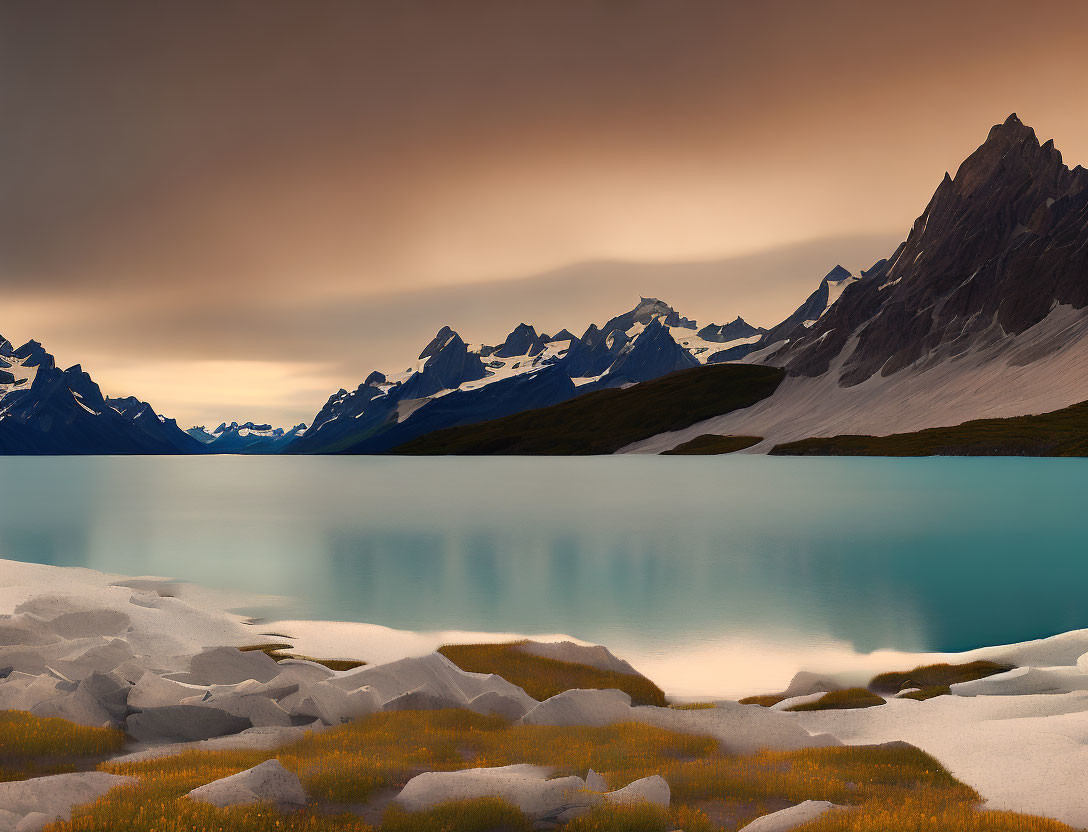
<point>233,209</point>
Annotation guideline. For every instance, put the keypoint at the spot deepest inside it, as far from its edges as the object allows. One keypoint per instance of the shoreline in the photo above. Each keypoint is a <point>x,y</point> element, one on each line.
<point>1019,738</point>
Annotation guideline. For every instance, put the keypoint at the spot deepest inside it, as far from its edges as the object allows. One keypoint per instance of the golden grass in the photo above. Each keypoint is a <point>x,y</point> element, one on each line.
<point>351,763</point>
<point>32,746</point>
<point>922,694</point>
<point>693,706</point>
<point>765,700</point>
<point>487,814</point>
<point>932,675</point>
<point>274,650</point>
<point>838,700</point>
<point>543,678</point>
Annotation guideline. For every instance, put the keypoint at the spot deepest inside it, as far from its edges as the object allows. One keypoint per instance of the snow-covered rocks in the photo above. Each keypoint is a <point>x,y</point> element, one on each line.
<point>652,789</point>
<point>582,707</point>
<point>268,782</point>
<point>524,786</point>
<point>501,704</point>
<point>786,819</point>
<point>43,800</point>
<point>228,666</point>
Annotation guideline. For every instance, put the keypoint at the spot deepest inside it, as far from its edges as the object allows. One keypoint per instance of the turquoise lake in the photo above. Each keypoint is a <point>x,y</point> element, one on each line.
<point>649,553</point>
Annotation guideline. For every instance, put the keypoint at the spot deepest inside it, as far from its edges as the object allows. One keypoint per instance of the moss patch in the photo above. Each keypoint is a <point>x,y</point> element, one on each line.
<point>934,675</point>
<point>838,700</point>
<point>32,746</point>
<point>710,444</point>
<point>1058,433</point>
<point>604,421</point>
<point>765,700</point>
<point>543,678</point>
<point>922,694</point>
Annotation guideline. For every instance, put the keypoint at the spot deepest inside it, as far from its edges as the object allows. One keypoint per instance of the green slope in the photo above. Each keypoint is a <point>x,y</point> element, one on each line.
<point>604,421</point>
<point>1059,433</point>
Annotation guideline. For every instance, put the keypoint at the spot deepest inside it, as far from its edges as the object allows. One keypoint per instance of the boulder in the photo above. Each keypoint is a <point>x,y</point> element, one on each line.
<point>34,822</point>
<point>100,658</point>
<point>334,706</point>
<point>183,722</point>
<point>786,819</point>
<point>582,707</point>
<point>229,665</point>
<point>109,691</point>
<point>596,783</point>
<point>79,707</point>
<point>420,700</point>
<point>1023,681</point>
<point>261,711</point>
<point>805,682</point>
<point>500,704</point>
<point>434,673</point>
<point>54,796</point>
<point>151,691</point>
<point>652,789</point>
<point>524,786</point>
<point>269,782</point>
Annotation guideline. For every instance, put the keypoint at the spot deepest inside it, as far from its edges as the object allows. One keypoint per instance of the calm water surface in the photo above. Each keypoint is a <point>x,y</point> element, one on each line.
<point>644,552</point>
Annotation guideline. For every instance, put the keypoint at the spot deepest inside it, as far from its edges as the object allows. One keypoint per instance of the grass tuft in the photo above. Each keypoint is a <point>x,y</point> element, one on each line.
<point>933,675</point>
<point>710,444</point>
<point>765,700</point>
<point>922,694</point>
<point>543,678</point>
<point>275,650</point>
<point>486,814</point>
<point>838,700</point>
<point>32,746</point>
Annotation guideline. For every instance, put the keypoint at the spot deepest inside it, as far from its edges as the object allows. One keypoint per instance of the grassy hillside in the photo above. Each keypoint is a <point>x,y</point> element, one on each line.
<point>710,444</point>
<point>604,421</point>
<point>1059,433</point>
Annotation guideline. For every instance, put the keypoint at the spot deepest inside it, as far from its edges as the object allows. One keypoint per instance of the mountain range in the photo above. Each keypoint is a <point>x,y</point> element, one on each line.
<point>980,312</point>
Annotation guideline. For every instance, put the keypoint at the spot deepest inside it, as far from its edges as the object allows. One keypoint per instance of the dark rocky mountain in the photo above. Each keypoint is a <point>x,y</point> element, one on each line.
<point>652,354</point>
<point>814,307</point>
<point>449,365</point>
<point>562,335</point>
<point>722,333</point>
<point>45,410</point>
<point>522,341</point>
<point>999,246</point>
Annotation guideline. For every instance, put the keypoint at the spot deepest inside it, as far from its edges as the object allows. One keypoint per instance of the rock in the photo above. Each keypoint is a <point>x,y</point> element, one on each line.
<point>1023,681</point>
<point>109,691</point>
<point>78,706</point>
<point>500,704</point>
<point>524,786</point>
<point>582,707</point>
<point>793,701</point>
<point>252,739</point>
<point>269,782</point>
<point>334,706</point>
<point>301,670</point>
<point>434,673</point>
<point>594,655</point>
<point>34,821</point>
<point>805,682</point>
<point>54,796</point>
<point>101,658</point>
<point>261,711</point>
<point>229,665</point>
<point>184,722</point>
<point>647,790</point>
<point>786,819</point>
<point>420,700</point>
<point>596,783</point>
<point>151,691</point>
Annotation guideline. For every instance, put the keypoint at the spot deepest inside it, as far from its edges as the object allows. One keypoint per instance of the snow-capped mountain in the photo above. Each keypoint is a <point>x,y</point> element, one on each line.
<point>46,410</point>
<point>982,312</point>
<point>453,383</point>
<point>246,438</point>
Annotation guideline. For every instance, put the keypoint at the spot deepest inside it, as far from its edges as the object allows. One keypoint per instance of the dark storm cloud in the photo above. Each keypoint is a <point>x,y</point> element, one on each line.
<point>312,182</point>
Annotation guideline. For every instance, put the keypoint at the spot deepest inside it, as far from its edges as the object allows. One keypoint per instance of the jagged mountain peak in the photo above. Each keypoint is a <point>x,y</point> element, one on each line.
<point>522,340</point>
<point>445,337</point>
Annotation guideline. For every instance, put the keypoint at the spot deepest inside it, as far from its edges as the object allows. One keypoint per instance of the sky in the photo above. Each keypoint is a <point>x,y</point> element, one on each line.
<point>233,209</point>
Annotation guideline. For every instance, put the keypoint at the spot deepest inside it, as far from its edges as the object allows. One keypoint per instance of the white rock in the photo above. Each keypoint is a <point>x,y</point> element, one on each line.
<point>78,706</point>
<point>786,819</point>
<point>421,700</point>
<point>1023,681</point>
<point>54,796</point>
<point>525,786</point>
<point>793,701</point>
<point>647,790</point>
<point>434,673</point>
<point>805,682</point>
<point>151,691</point>
<point>229,665</point>
<point>35,821</point>
<point>595,782</point>
<point>508,707</point>
<point>252,739</point>
<point>335,706</point>
<point>269,782</point>
<point>582,707</point>
<point>740,729</point>
<point>100,658</point>
<point>183,722</point>
<point>261,711</point>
